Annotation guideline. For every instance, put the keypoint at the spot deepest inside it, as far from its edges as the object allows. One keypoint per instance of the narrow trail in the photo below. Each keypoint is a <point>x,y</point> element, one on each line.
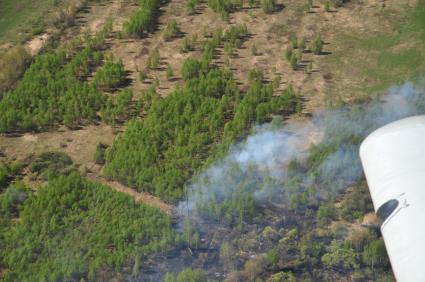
<point>138,196</point>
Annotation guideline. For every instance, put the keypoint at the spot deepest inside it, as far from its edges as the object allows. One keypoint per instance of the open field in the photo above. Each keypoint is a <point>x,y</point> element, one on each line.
<point>21,19</point>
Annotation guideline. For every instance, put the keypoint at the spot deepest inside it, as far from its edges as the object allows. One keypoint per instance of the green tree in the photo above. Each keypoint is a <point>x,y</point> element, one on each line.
<point>99,155</point>
<point>268,6</point>
<point>170,72</point>
<point>294,61</point>
<point>190,69</point>
<point>375,254</point>
<point>317,45</point>
<point>340,255</point>
<point>154,59</point>
<point>171,31</point>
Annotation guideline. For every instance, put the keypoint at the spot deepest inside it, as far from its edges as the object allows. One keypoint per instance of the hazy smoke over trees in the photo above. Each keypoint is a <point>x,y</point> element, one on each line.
<point>279,161</point>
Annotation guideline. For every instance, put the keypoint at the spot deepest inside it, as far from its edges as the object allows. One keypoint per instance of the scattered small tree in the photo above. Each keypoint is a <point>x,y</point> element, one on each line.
<point>294,42</point>
<point>327,6</point>
<point>171,31</point>
<point>317,45</point>
<point>301,44</point>
<point>154,59</point>
<point>191,5</point>
<point>268,6</point>
<point>276,81</point>
<point>288,53</point>
<point>142,76</point>
<point>294,61</point>
<point>309,4</point>
<point>254,50</point>
<point>170,72</point>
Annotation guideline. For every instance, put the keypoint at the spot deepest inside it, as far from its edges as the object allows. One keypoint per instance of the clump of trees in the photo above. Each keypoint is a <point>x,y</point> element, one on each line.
<point>51,164</point>
<point>144,20</point>
<point>110,76</point>
<point>118,108</point>
<point>208,108</point>
<point>225,7</point>
<point>55,89</point>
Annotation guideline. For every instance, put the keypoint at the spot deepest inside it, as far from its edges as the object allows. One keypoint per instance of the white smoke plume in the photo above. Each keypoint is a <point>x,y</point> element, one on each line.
<point>259,166</point>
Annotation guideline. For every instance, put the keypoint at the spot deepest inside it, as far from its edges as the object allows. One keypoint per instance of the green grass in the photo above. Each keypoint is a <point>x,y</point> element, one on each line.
<point>22,18</point>
<point>372,62</point>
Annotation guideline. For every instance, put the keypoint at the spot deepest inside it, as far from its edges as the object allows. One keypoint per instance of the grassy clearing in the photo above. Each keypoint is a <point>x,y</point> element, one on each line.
<point>370,63</point>
<point>20,19</point>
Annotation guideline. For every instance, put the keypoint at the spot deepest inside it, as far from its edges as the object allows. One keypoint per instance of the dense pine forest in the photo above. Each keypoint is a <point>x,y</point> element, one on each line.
<point>187,140</point>
<point>72,228</point>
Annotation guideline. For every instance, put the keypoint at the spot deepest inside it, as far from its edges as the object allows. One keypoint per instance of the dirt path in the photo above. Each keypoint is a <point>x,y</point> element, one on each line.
<point>138,196</point>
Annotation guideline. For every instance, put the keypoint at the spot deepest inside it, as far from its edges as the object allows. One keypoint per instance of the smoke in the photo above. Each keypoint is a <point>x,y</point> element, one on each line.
<point>281,159</point>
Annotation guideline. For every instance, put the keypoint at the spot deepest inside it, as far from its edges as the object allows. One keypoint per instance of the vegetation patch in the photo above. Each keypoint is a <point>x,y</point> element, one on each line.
<point>72,228</point>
